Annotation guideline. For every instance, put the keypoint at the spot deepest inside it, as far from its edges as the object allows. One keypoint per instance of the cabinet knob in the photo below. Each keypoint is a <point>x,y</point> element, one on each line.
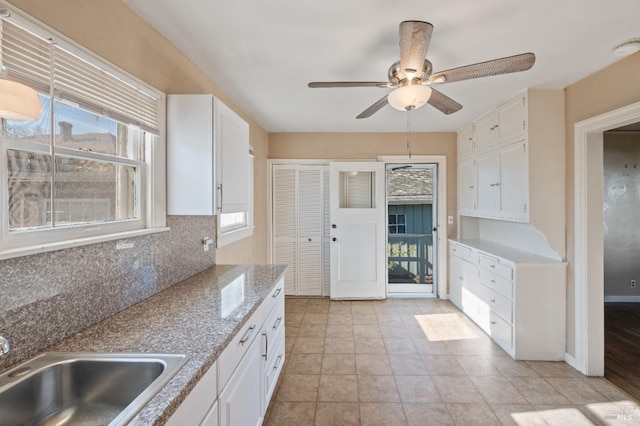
<point>493,300</point>
<point>309,239</point>
<point>334,226</point>
<point>334,239</point>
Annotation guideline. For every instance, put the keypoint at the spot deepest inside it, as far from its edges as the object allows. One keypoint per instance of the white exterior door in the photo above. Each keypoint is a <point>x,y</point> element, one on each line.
<point>358,237</point>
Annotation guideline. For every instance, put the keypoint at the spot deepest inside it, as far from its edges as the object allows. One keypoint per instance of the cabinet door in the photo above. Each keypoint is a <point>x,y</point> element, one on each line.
<point>310,230</point>
<point>232,147</point>
<point>455,280</point>
<point>488,183</point>
<point>465,142</point>
<point>240,403</point>
<point>512,117</point>
<point>284,223</point>
<point>514,182</point>
<point>467,186</point>
<point>485,134</point>
<point>190,155</point>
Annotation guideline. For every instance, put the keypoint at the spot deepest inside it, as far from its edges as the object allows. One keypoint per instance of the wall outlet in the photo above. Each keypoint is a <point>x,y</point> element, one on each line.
<point>633,283</point>
<point>206,242</point>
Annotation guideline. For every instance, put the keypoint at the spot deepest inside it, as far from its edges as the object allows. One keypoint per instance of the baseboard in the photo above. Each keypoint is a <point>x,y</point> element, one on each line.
<point>623,299</point>
<point>570,359</point>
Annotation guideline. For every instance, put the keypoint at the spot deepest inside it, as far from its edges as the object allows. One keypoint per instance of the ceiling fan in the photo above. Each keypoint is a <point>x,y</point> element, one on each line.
<point>412,76</point>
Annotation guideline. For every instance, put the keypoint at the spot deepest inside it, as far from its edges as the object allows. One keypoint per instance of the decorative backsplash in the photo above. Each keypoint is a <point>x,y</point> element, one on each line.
<point>47,297</point>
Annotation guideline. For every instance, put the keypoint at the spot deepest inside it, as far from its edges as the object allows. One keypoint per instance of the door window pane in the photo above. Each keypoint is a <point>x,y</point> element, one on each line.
<point>357,190</point>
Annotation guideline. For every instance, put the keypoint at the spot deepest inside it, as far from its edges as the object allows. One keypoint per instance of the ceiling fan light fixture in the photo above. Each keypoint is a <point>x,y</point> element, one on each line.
<point>409,97</point>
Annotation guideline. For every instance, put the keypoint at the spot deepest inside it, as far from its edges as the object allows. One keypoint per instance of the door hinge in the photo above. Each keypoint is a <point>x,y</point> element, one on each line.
<point>524,124</point>
<point>525,207</point>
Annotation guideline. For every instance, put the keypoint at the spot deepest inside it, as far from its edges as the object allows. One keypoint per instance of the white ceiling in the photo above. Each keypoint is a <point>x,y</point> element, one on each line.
<point>263,53</point>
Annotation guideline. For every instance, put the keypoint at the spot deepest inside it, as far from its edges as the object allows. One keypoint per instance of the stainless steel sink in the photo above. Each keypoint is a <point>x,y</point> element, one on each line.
<point>83,388</point>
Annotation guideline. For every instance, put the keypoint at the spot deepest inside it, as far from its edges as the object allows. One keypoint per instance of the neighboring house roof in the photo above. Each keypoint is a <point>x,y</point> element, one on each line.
<point>409,185</point>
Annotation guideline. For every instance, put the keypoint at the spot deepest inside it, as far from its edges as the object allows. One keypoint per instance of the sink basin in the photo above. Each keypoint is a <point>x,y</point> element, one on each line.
<point>83,388</point>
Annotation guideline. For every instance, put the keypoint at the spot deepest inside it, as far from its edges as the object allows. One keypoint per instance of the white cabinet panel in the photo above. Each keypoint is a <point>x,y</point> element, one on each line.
<point>485,131</point>
<point>512,116</point>
<point>488,181</point>
<point>198,404</point>
<point>467,186</point>
<point>514,179</point>
<point>465,142</point>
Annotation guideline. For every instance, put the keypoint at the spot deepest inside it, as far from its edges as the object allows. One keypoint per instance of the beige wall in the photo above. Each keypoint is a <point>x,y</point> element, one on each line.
<point>363,146</point>
<point>608,89</point>
<point>113,31</point>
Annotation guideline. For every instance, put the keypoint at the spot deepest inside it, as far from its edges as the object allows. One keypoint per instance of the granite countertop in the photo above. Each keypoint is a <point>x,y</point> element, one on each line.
<point>186,318</point>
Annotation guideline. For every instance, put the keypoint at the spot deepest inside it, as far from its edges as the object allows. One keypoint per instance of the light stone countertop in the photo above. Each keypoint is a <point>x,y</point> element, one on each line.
<point>184,319</point>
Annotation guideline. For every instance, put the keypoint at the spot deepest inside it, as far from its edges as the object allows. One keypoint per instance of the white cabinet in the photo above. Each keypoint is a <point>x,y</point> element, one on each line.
<point>465,142</point>
<point>207,157</point>
<point>488,180</point>
<point>514,188</point>
<point>300,226</point>
<point>200,404</point>
<point>512,119</point>
<point>517,298</point>
<point>485,131</point>
<point>467,188</point>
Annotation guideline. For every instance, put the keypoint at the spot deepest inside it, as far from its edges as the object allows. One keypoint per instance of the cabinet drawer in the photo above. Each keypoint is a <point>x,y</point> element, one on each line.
<point>273,331</point>
<point>233,353</point>
<point>272,372</point>
<point>501,306</point>
<point>464,253</point>
<point>497,283</point>
<point>501,332</point>
<point>494,265</point>
<point>275,296</point>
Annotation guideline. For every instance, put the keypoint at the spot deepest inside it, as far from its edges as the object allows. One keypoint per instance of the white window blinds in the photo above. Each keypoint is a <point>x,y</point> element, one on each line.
<point>38,62</point>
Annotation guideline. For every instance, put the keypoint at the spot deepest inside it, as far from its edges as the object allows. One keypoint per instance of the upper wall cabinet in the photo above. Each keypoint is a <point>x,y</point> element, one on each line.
<point>516,169</point>
<point>207,157</point>
<point>465,142</point>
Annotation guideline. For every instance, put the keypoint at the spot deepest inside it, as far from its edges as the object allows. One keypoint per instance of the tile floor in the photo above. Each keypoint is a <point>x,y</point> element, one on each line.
<point>422,362</point>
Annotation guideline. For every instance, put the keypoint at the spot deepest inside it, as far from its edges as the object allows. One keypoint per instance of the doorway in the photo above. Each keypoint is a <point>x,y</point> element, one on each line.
<point>411,217</point>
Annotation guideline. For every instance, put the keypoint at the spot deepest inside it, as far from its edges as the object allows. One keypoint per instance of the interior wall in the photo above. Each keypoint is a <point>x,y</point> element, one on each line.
<point>613,87</point>
<point>113,31</point>
<point>368,146</point>
<point>621,207</point>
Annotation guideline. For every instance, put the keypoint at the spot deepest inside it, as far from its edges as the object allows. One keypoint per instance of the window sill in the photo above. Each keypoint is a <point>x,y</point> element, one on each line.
<point>233,236</point>
<point>43,248</point>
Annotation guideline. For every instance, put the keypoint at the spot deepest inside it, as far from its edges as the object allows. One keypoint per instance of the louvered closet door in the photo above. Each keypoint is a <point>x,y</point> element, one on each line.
<point>326,249</point>
<point>310,232</point>
<point>284,222</point>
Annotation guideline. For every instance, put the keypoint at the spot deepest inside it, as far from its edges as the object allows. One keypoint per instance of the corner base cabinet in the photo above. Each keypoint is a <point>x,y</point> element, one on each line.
<point>517,298</point>
<point>237,388</point>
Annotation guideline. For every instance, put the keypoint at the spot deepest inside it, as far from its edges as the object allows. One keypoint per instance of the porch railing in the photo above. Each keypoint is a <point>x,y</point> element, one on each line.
<point>410,258</point>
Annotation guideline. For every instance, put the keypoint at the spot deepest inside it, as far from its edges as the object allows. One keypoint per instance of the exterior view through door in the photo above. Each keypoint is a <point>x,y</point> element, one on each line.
<point>411,214</point>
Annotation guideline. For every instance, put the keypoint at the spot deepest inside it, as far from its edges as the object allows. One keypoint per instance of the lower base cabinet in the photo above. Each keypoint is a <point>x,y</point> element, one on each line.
<point>237,388</point>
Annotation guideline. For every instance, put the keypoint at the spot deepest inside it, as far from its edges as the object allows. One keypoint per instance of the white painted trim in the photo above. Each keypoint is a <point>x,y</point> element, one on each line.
<point>588,280</point>
<point>441,161</point>
<point>571,361</point>
<point>235,235</point>
<point>622,299</point>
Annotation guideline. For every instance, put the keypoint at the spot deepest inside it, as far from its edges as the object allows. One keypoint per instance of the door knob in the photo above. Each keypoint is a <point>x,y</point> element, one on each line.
<point>334,226</point>
<point>334,239</point>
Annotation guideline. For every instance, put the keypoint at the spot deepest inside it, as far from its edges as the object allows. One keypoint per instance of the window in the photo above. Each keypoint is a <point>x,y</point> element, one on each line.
<point>85,168</point>
<point>397,224</point>
<point>233,227</point>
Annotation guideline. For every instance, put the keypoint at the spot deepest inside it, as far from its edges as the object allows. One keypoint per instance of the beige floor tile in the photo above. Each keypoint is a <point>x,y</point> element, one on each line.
<point>475,365</point>
<point>481,346</point>
<point>408,365</point>
<point>334,330</point>
<point>384,308</point>
<point>382,414</point>
<point>369,345</point>
<point>288,345</point>
<point>293,318</point>
<point>577,391</point>
<point>315,318</point>
<point>373,364</point>
<point>389,319</point>
<point>312,330</point>
<point>339,345</point>
<point>443,365</point>
<point>362,307</point>
<point>365,318</point>
<point>337,414</point>
<point>340,319</point>
<point>512,368</point>
<point>291,331</point>
<point>416,332</point>
<point>411,309</point>
<point>308,345</point>
<point>613,413</point>
<point>392,330</point>
<point>537,390</point>
<point>563,415</point>
<point>338,388</point>
<point>518,415</point>
<point>338,364</point>
<point>292,413</point>
<point>315,308</point>
<point>608,389</point>
<point>340,307</point>
<point>427,414</point>
<point>398,346</point>
<point>377,389</point>
<point>304,363</point>
<point>367,330</point>
<point>298,388</point>
<point>474,414</point>
<point>497,390</point>
<point>553,369</point>
<point>456,389</point>
<point>427,347</point>
<point>417,389</point>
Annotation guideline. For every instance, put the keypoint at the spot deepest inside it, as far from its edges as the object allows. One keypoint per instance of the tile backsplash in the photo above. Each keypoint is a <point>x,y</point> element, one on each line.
<point>47,297</point>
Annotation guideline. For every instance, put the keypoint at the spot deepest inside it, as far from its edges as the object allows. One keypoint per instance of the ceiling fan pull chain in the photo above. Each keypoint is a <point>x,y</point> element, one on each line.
<point>409,131</point>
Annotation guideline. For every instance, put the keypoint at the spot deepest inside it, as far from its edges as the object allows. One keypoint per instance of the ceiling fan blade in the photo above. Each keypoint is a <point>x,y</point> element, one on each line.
<point>373,108</point>
<point>443,102</point>
<point>499,66</point>
<point>329,84</point>
<point>414,42</point>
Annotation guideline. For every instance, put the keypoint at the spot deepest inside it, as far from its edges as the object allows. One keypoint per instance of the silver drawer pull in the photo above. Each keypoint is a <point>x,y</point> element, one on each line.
<point>493,322</point>
<point>278,361</point>
<point>277,323</point>
<point>492,266</point>
<point>493,281</point>
<point>248,334</point>
<point>493,300</point>
<point>277,292</point>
